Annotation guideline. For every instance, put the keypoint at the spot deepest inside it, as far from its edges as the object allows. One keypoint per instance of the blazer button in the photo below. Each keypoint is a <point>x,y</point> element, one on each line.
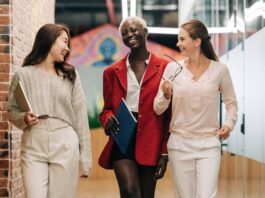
<point>140,115</point>
<point>139,130</point>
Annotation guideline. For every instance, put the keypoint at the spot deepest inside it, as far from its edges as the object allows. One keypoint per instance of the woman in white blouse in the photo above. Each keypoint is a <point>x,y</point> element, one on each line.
<point>194,146</point>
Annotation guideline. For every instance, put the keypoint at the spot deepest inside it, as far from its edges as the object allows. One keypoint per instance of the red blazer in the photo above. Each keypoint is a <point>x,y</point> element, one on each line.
<point>152,130</point>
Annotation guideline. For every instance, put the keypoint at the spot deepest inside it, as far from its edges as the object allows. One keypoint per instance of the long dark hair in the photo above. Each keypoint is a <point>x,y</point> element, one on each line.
<point>44,40</point>
<point>197,29</point>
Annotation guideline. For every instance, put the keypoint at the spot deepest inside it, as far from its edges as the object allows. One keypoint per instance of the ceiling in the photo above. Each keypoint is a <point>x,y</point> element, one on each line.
<point>83,15</point>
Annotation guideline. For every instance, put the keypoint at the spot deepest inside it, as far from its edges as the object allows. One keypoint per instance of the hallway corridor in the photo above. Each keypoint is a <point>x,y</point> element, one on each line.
<point>239,178</point>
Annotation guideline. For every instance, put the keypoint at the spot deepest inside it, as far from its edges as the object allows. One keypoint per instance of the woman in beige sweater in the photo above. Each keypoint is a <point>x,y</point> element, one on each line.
<point>51,147</point>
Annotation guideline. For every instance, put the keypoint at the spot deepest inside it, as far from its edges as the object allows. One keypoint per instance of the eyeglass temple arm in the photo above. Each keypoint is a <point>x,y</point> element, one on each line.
<point>173,59</point>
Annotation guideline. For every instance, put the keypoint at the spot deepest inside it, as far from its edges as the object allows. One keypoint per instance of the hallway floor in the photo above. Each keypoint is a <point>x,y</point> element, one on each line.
<point>107,188</point>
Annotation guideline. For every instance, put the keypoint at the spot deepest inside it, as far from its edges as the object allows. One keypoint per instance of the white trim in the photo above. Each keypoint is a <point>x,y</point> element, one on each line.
<point>124,9</point>
<point>211,30</point>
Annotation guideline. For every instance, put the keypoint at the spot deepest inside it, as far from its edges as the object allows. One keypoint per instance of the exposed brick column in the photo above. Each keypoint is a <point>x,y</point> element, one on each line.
<point>5,62</point>
<point>19,21</point>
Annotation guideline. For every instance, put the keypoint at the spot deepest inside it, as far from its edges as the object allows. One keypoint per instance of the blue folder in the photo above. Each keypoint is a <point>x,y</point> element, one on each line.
<point>127,124</point>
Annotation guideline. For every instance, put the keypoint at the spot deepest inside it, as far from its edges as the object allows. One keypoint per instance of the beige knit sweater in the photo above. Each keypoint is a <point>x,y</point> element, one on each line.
<point>57,97</point>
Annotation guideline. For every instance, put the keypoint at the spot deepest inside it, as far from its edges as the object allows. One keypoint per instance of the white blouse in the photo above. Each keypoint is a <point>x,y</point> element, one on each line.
<point>195,104</point>
<point>133,86</point>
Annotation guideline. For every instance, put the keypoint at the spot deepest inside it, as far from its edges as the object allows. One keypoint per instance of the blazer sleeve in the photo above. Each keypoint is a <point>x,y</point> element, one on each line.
<point>107,96</point>
<point>163,106</point>
<point>167,120</point>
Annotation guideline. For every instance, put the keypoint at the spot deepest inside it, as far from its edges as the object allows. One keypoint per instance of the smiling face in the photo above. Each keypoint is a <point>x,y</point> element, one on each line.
<point>133,34</point>
<point>186,44</point>
<point>60,48</point>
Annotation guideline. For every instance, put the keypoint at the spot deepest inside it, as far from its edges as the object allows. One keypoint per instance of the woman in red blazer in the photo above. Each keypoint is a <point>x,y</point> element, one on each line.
<point>136,78</point>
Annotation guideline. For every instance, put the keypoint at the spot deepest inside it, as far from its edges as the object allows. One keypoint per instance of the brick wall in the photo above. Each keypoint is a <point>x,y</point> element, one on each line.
<point>19,21</point>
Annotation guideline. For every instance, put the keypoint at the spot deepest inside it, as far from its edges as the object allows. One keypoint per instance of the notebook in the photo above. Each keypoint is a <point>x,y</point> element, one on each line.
<point>23,101</point>
<point>127,124</point>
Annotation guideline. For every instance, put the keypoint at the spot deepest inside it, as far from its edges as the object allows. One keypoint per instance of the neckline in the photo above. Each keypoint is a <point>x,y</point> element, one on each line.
<point>201,76</point>
<point>46,73</point>
<point>145,61</point>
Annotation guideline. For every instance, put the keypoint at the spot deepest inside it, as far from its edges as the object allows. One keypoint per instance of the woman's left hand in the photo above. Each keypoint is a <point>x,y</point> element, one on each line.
<point>161,167</point>
<point>224,132</point>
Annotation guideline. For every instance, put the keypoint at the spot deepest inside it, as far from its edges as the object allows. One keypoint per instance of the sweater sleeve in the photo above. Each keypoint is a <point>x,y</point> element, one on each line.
<point>107,95</point>
<point>229,98</point>
<point>161,104</point>
<point>15,113</point>
<point>81,124</point>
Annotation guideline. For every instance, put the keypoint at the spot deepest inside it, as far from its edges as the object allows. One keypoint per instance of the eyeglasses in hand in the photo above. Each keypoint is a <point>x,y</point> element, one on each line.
<point>177,71</point>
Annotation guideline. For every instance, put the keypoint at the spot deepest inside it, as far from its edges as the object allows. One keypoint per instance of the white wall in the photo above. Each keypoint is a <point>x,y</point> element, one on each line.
<point>247,69</point>
<point>254,95</point>
<point>235,63</point>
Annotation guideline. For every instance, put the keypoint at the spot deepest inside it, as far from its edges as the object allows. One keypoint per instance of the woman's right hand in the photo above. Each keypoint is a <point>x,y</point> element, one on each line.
<point>30,118</point>
<point>112,125</point>
<point>167,89</point>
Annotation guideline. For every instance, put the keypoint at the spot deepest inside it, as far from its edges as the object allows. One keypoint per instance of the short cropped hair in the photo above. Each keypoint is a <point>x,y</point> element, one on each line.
<point>134,18</point>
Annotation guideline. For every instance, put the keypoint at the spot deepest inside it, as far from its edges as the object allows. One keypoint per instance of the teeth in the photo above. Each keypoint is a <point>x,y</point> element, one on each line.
<point>132,41</point>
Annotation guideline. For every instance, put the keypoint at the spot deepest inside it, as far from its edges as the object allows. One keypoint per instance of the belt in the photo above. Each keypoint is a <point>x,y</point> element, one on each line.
<point>195,136</point>
<point>50,124</point>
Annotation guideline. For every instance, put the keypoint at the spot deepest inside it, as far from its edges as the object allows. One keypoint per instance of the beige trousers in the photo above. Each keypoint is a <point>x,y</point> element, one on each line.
<point>195,165</point>
<point>50,160</point>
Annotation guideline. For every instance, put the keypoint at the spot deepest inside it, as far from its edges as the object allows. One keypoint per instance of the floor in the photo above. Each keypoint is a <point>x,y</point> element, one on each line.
<point>239,177</point>
<point>107,188</point>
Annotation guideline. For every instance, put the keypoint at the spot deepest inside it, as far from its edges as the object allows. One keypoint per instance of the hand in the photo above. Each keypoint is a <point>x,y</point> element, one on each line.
<point>30,118</point>
<point>167,89</point>
<point>112,125</point>
<point>224,132</point>
<point>161,167</point>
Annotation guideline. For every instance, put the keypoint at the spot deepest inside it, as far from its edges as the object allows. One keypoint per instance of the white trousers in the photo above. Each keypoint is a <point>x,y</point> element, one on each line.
<point>195,165</point>
<point>50,161</point>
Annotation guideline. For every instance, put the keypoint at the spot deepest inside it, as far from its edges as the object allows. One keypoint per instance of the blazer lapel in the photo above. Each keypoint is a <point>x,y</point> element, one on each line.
<point>152,69</point>
<point>121,72</point>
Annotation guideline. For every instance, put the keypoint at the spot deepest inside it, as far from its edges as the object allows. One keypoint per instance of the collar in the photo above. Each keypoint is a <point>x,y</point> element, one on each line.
<point>146,61</point>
